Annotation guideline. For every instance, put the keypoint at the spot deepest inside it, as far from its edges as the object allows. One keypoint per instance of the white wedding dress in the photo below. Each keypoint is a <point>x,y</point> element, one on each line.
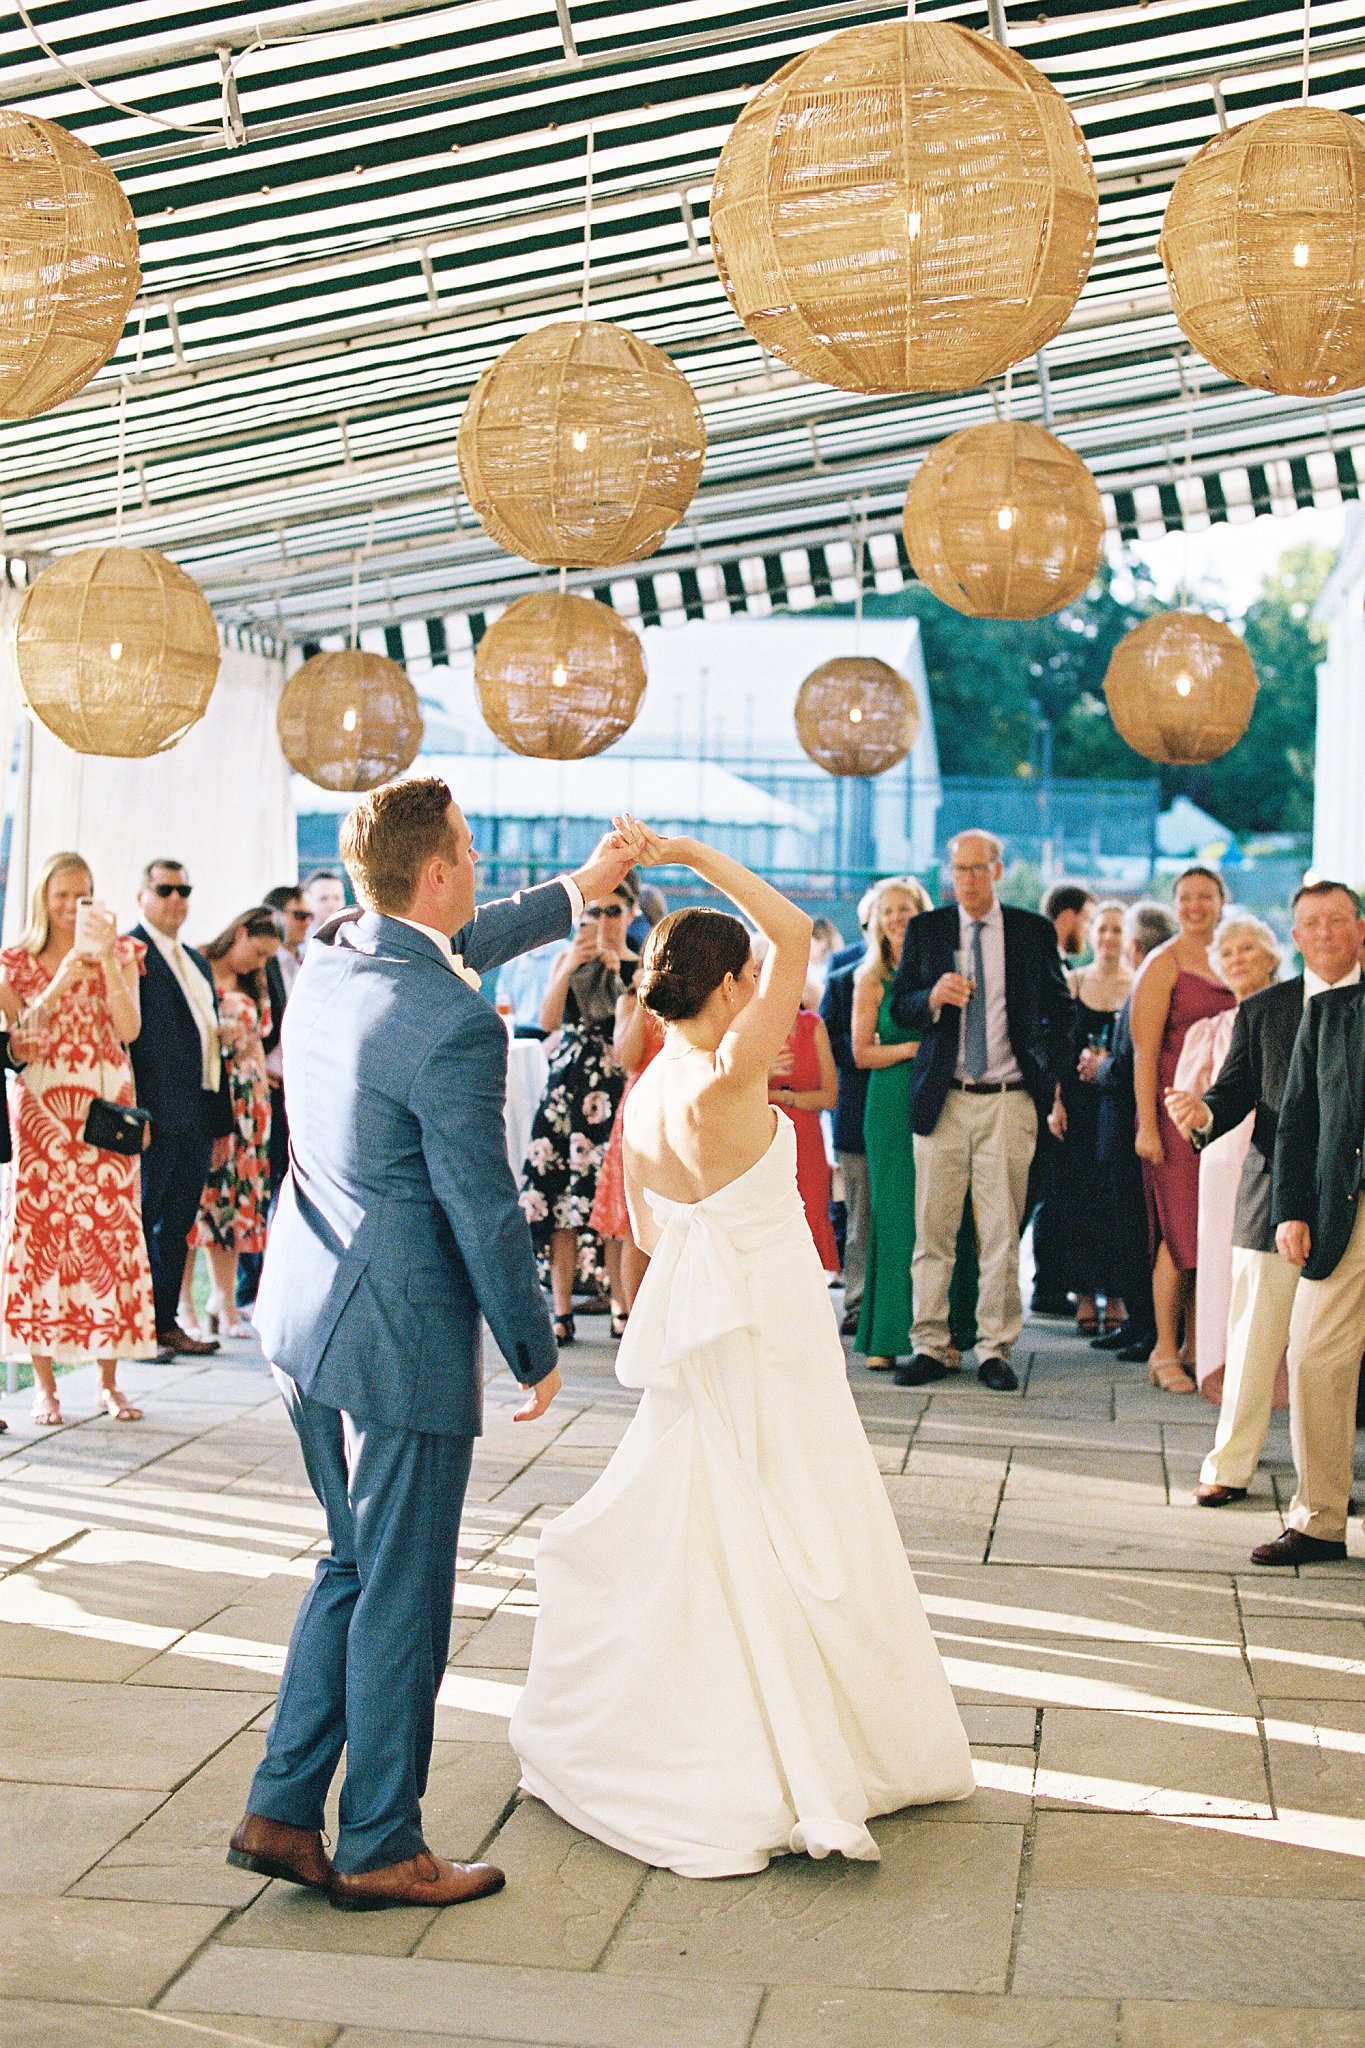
<point>731,1659</point>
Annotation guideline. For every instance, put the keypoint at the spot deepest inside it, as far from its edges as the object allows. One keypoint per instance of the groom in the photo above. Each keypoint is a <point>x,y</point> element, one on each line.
<point>397,1231</point>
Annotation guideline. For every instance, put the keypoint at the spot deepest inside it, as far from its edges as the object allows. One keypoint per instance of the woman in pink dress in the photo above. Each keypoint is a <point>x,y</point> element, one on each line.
<point>804,1081</point>
<point>74,1278</point>
<point>1176,984</point>
<point>637,1038</point>
<point>1247,955</point>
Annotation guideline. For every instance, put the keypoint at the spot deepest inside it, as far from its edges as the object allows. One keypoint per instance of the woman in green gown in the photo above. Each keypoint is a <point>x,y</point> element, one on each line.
<point>880,1045</point>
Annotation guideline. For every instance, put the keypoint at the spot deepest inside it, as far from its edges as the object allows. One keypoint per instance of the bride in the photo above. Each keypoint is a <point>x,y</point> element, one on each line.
<point>731,1660</point>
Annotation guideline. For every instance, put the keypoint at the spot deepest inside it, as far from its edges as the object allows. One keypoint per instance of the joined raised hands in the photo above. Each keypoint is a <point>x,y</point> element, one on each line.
<point>649,848</point>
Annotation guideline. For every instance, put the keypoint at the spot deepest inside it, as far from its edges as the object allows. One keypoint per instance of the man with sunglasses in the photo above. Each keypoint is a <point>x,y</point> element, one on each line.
<point>178,1068</point>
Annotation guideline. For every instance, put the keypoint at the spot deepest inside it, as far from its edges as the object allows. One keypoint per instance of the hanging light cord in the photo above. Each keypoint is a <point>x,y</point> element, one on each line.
<point>859,548</point>
<point>1188,395</point>
<point>587,221</point>
<point>1306,6</point>
<point>122,429</point>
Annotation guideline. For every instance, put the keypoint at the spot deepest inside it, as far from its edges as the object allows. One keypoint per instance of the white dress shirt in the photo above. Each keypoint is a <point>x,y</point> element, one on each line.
<point>442,941</point>
<point>1314,985</point>
<point>1001,1065</point>
<point>198,995</point>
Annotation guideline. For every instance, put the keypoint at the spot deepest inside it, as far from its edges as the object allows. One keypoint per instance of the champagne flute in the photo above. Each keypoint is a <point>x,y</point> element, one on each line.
<point>964,964</point>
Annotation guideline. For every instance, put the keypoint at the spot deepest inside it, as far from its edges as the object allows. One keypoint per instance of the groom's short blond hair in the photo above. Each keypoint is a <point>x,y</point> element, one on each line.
<point>389,837</point>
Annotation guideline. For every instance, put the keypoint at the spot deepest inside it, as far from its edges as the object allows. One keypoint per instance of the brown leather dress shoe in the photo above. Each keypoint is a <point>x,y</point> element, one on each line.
<point>180,1344</point>
<point>1217,1496</point>
<point>424,1880</point>
<point>1296,1548</point>
<point>274,1849</point>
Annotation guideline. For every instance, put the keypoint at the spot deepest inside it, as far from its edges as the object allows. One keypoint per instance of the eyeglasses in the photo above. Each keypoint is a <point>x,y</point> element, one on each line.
<point>974,867</point>
<point>604,910</point>
<point>165,889</point>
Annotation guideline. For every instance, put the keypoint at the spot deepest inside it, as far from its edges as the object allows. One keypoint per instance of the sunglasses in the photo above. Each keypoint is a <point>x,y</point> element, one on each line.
<point>302,915</point>
<point>165,889</point>
<point>600,910</point>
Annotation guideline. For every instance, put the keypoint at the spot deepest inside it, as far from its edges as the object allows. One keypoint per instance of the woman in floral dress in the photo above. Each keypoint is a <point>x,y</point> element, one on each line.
<point>74,1278</point>
<point>582,1094</point>
<point>236,1200</point>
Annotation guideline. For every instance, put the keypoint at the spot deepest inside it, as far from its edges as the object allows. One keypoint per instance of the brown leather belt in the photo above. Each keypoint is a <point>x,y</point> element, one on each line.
<point>991,1087</point>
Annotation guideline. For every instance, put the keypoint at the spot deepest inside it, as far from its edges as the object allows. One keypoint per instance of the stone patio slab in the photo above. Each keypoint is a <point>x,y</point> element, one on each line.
<point>556,2008</point>
<point>179,1853</point>
<point>1141,1853</point>
<point>79,1734</point>
<point>935,1915</point>
<point>1164,2025</point>
<point>1177,1764</point>
<point>98,1951</point>
<point>1317,1758</point>
<point>1071,1671</point>
<point>1296,1657</point>
<point>75,1826</point>
<point>29,2023</point>
<point>802,2017</point>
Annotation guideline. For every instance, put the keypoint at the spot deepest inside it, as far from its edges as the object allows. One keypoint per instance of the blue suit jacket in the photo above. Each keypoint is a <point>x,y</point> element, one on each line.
<point>168,1059</point>
<point>836,1008</point>
<point>1037,1002</point>
<point>398,1226</point>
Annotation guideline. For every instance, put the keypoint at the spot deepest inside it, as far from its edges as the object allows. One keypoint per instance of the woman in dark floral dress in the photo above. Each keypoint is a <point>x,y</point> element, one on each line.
<point>236,1199</point>
<point>582,1093</point>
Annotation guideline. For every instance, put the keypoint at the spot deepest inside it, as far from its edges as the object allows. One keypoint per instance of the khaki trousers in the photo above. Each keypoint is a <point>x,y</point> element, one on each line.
<point>984,1143</point>
<point>1326,1337</point>
<point>858,1218</point>
<point>1263,1289</point>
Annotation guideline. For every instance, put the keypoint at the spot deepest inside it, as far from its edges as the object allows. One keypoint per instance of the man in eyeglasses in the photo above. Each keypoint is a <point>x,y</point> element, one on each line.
<point>981,987</point>
<point>178,1068</point>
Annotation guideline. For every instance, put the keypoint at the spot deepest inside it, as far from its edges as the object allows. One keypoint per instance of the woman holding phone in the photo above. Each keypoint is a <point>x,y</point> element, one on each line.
<point>74,1278</point>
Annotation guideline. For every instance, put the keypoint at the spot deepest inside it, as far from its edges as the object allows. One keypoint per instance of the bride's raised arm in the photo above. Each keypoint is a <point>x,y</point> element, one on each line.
<point>752,1045</point>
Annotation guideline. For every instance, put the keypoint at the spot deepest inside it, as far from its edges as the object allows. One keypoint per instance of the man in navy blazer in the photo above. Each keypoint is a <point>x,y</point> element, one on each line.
<point>397,1234</point>
<point>178,1072</point>
<point>983,1080</point>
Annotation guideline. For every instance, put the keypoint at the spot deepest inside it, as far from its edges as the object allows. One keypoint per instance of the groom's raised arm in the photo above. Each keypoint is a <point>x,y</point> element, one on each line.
<point>457,1098</point>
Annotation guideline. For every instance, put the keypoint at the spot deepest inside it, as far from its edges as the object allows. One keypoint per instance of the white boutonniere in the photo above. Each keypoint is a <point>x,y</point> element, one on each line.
<point>466,974</point>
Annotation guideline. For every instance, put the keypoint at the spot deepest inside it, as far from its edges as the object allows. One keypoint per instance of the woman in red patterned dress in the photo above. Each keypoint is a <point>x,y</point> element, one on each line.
<point>236,1200</point>
<point>74,1279</point>
<point>804,1081</point>
<point>638,1037</point>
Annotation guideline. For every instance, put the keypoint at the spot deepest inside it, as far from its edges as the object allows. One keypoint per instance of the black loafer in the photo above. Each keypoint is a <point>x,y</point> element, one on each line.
<point>999,1377</point>
<point>922,1371</point>
<point>1136,1353</point>
<point>848,1326</point>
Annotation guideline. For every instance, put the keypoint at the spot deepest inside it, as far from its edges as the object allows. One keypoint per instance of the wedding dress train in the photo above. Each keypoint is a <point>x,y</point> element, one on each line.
<point>731,1659</point>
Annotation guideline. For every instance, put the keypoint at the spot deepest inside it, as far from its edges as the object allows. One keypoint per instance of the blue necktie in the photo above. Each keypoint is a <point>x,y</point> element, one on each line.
<point>974,1024</point>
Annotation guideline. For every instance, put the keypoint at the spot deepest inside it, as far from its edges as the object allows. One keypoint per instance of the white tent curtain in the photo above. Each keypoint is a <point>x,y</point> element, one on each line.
<point>220,801</point>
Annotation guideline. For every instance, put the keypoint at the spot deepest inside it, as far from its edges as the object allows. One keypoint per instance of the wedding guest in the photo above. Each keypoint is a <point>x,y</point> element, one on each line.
<point>235,1202</point>
<point>1247,955</point>
<point>291,919</point>
<point>802,1082</point>
<point>1328,928</point>
<point>983,1080</point>
<point>521,983</point>
<point>637,1037</point>
<point>836,1014</point>
<point>325,895</point>
<point>1146,926</point>
<point>1320,1229</point>
<point>74,1277</point>
<point>1176,984</point>
<point>650,905</point>
<point>1067,906</point>
<point>826,941</point>
<point>1091,1258</point>
<point>582,1094</point>
<point>883,1051</point>
<point>178,1066</point>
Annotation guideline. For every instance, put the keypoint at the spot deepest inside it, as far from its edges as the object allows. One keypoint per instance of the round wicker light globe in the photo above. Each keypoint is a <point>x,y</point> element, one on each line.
<point>1264,248</point>
<point>349,720</point>
<point>117,651</point>
<point>580,446</point>
<point>856,715</point>
<point>559,676</point>
<point>906,207</point>
<point>68,264</point>
<point>1180,688</point>
<point>1003,522</point>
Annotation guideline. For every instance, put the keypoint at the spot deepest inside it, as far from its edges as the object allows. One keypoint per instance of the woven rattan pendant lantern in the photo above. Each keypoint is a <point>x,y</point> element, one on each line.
<point>68,264</point>
<point>349,720</point>
<point>1264,248</point>
<point>1181,688</point>
<point>559,676</point>
<point>117,651</point>
<point>1003,522</point>
<point>856,715</point>
<point>580,446</point>
<point>906,207</point>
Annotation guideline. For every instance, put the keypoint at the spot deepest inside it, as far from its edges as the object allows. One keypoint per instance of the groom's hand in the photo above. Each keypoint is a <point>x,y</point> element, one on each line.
<point>606,866</point>
<point>539,1397</point>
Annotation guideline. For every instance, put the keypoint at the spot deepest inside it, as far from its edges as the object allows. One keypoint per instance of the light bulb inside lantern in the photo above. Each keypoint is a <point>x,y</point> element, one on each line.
<point>1004,518</point>
<point>1183,686</point>
<point>559,675</point>
<point>348,718</point>
<point>580,438</point>
<point>1300,255</point>
<point>115,650</point>
<point>913,223</point>
<point>855,716</point>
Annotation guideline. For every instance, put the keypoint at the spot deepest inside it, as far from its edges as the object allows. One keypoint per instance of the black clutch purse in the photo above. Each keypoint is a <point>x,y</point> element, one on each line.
<point>115,1128</point>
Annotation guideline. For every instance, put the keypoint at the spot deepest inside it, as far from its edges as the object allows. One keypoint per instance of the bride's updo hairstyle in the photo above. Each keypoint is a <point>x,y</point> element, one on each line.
<point>686,958</point>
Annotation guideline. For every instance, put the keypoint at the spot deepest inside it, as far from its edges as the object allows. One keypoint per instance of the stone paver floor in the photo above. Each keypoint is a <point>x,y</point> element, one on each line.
<point>1167,1844</point>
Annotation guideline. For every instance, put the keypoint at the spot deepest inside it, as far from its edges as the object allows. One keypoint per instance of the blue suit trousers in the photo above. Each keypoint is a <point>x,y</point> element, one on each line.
<point>372,1636</point>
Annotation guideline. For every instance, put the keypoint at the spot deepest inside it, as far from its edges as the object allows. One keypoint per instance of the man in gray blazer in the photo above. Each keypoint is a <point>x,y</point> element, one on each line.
<point>397,1234</point>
